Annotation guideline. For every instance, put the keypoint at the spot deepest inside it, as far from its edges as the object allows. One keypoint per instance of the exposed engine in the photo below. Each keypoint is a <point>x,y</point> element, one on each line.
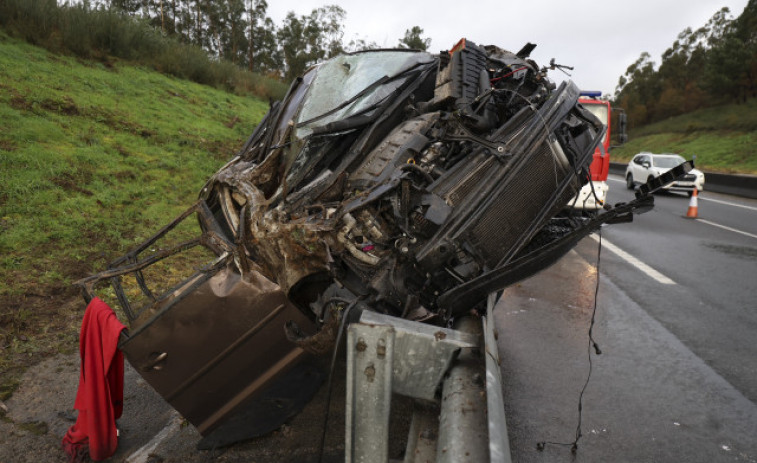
<point>400,175</point>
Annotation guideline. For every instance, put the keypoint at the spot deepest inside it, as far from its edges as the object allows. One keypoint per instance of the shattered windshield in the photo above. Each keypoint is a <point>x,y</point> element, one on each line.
<point>350,84</point>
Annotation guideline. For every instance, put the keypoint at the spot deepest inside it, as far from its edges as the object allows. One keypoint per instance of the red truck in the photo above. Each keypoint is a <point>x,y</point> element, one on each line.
<point>600,166</point>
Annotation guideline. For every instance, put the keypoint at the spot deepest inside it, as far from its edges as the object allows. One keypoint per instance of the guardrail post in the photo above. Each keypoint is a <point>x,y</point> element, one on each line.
<point>369,392</point>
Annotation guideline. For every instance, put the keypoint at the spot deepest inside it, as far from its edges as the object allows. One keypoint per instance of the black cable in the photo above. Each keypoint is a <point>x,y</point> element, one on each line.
<point>599,201</point>
<point>592,344</point>
<point>342,323</point>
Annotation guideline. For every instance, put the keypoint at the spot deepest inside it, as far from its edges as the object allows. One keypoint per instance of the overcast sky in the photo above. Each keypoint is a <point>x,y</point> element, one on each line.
<point>600,39</point>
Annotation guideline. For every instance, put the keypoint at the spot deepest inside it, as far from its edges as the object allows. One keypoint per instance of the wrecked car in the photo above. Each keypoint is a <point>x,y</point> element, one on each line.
<point>396,181</point>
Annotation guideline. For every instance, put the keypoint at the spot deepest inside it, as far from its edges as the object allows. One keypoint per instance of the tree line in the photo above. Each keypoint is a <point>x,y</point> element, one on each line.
<point>714,64</point>
<point>213,42</point>
<point>241,31</point>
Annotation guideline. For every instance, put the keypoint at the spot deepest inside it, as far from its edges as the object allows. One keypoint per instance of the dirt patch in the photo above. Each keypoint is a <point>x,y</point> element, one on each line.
<point>34,327</point>
<point>218,149</point>
<point>119,123</point>
<point>69,182</point>
<point>122,151</point>
<point>20,103</point>
<point>177,95</point>
<point>232,122</point>
<point>125,175</point>
<point>67,106</point>
<point>8,145</point>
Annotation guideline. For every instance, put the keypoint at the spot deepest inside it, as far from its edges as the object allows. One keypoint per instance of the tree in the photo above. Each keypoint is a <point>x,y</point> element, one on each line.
<point>413,39</point>
<point>731,61</point>
<point>305,40</point>
<point>360,44</point>
<point>256,12</point>
<point>241,31</point>
<point>714,64</point>
<point>638,90</point>
<point>233,38</point>
<point>263,54</point>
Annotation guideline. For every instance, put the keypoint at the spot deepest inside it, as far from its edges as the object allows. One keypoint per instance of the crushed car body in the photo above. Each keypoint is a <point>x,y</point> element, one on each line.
<point>396,181</point>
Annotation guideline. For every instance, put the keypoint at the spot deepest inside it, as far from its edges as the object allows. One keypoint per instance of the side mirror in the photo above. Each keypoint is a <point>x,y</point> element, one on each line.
<point>646,164</point>
<point>622,126</point>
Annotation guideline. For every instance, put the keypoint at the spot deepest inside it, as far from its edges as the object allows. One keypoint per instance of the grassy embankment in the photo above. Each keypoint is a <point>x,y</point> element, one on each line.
<point>94,158</point>
<point>723,138</point>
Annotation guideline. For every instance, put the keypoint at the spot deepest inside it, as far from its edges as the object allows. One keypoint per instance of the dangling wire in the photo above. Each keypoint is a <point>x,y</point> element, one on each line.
<point>594,193</point>
<point>342,323</point>
<point>592,345</point>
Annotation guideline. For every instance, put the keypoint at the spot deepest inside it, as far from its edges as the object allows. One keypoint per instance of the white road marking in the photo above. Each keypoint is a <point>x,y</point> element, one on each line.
<point>726,228</point>
<point>652,273</point>
<point>703,198</point>
<point>141,455</point>
<point>727,203</point>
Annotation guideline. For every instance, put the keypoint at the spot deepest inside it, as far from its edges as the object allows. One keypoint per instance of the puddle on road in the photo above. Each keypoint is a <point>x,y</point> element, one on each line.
<point>746,252</point>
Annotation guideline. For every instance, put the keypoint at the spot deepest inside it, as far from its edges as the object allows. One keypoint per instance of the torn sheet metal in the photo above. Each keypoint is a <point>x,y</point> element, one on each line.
<point>395,181</point>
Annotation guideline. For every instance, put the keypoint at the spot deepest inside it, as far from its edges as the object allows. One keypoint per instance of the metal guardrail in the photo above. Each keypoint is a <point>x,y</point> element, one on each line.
<point>453,375</point>
<point>732,184</point>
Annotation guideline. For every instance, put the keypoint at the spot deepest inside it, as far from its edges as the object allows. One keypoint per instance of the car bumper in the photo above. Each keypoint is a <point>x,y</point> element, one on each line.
<point>685,186</point>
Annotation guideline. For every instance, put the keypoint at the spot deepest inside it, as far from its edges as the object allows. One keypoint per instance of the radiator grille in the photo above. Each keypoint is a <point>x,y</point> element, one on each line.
<point>503,225</point>
<point>472,179</point>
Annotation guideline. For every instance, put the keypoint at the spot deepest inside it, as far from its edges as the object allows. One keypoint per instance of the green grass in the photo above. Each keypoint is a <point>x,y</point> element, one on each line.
<point>93,159</point>
<point>722,138</point>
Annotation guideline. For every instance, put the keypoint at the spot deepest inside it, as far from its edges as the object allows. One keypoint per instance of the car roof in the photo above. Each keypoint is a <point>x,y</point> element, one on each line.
<point>663,155</point>
<point>667,155</point>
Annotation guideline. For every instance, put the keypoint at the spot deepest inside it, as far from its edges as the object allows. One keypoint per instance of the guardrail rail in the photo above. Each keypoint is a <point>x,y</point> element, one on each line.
<point>453,376</point>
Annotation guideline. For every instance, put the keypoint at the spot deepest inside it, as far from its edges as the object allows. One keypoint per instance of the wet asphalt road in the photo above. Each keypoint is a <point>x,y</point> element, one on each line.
<point>677,378</point>
<point>712,307</point>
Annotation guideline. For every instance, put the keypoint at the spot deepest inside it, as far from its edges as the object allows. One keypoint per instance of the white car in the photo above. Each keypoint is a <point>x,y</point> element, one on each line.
<point>645,166</point>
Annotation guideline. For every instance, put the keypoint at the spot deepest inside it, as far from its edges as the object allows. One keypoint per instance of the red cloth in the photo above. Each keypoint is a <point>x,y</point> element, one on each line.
<point>99,398</point>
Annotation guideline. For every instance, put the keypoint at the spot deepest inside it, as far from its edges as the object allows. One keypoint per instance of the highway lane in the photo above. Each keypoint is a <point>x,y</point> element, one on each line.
<point>650,398</point>
<point>712,260</point>
<point>676,321</point>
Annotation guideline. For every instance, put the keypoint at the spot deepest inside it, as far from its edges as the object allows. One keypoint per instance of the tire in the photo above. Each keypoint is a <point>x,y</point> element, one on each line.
<point>629,181</point>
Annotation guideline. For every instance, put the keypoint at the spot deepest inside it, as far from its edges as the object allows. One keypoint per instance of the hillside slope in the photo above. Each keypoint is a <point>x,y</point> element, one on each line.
<point>723,138</point>
<point>93,159</point>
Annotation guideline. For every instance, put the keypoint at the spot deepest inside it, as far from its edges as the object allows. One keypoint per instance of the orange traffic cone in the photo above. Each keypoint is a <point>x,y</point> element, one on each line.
<point>692,212</point>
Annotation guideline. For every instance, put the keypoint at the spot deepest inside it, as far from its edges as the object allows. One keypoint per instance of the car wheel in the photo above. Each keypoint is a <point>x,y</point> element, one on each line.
<point>629,181</point>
